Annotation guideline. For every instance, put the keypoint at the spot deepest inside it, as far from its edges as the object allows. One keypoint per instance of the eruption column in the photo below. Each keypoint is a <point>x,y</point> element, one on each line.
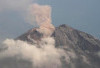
<point>41,15</point>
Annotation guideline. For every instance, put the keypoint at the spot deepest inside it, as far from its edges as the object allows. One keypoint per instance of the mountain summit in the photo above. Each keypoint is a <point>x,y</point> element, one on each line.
<point>85,47</point>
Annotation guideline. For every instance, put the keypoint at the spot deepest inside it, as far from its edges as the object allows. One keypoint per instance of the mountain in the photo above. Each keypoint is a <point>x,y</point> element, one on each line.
<point>85,46</point>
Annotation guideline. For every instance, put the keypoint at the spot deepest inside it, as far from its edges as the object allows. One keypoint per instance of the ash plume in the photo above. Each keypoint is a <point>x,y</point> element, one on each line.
<point>44,56</point>
<point>41,15</point>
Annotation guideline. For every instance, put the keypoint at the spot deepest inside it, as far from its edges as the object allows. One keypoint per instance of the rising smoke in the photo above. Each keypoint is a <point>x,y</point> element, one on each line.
<point>41,15</point>
<point>46,56</point>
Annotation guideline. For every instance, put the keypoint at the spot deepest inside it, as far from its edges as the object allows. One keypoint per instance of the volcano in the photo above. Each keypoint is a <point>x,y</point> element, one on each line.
<point>85,46</point>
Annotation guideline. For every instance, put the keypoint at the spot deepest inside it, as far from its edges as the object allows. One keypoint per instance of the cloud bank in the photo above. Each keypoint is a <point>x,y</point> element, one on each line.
<point>47,56</point>
<point>44,56</point>
<point>14,4</point>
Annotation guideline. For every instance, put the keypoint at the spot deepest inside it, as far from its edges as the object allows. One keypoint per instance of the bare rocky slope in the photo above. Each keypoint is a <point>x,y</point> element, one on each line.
<point>85,46</point>
<point>82,46</point>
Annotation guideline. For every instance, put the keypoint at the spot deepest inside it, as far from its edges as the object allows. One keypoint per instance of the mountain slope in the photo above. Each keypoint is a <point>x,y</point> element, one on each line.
<point>84,45</point>
<point>72,41</point>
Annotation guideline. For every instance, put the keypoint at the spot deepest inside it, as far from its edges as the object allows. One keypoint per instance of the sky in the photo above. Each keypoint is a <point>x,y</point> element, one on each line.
<point>83,15</point>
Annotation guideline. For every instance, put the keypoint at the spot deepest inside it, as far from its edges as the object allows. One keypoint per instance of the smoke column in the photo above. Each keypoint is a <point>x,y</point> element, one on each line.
<point>47,56</point>
<point>41,15</point>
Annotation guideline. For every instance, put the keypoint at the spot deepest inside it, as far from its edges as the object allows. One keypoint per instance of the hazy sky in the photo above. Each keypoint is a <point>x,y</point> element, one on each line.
<point>83,15</point>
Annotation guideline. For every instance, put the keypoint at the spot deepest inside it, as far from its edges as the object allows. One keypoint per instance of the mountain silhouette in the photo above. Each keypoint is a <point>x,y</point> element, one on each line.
<point>85,46</point>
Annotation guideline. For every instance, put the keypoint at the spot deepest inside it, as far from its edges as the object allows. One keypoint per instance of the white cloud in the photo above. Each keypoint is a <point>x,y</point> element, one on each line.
<point>14,4</point>
<point>98,53</point>
<point>44,56</point>
<point>47,55</point>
